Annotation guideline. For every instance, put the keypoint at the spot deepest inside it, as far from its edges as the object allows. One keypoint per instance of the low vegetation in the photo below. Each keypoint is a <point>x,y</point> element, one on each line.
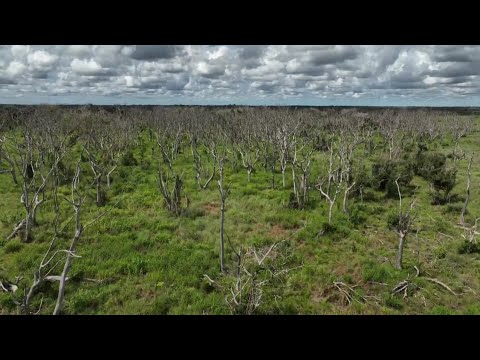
<point>238,210</point>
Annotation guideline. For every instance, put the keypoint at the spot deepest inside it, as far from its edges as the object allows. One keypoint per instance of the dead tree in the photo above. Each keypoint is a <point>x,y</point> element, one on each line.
<point>304,167</point>
<point>284,136</point>
<point>202,175</point>
<point>224,192</point>
<point>459,126</point>
<point>169,133</point>
<point>470,232</point>
<point>334,177</point>
<point>257,272</point>
<point>5,155</point>
<point>171,187</point>
<point>401,225</point>
<point>389,125</point>
<point>331,199</point>
<point>467,197</point>
<point>77,200</point>
<point>249,152</point>
<point>30,159</point>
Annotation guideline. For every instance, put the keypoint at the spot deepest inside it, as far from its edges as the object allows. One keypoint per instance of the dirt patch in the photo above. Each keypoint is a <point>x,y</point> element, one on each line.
<point>278,232</point>
<point>212,208</point>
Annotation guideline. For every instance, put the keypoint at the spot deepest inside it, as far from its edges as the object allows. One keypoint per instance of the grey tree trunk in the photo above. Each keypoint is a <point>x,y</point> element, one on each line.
<point>273,176</point>
<point>467,198</point>
<point>222,242</point>
<point>398,262</point>
<point>100,198</point>
<point>28,228</point>
<point>63,278</point>
<point>330,212</point>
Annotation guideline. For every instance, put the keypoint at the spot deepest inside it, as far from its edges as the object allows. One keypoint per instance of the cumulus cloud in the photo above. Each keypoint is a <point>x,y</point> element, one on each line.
<point>88,68</point>
<point>150,52</point>
<point>256,74</point>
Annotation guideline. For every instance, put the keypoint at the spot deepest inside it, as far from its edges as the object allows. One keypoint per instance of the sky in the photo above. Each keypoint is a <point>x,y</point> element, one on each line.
<point>356,75</point>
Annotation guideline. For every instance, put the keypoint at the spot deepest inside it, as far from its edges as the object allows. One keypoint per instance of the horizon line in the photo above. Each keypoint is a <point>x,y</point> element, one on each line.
<point>247,105</point>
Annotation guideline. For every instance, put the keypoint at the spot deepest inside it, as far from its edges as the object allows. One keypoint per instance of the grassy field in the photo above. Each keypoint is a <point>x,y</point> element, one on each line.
<point>140,259</point>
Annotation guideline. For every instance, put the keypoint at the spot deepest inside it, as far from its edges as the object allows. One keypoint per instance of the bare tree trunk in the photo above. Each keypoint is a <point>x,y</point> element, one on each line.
<point>398,262</point>
<point>13,172</point>
<point>222,242</point>
<point>273,176</point>
<point>223,196</point>
<point>68,263</point>
<point>294,182</point>
<point>467,198</point>
<point>108,176</point>
<point>330,212</point>
<point>100,197</point>
<point>345,195</point>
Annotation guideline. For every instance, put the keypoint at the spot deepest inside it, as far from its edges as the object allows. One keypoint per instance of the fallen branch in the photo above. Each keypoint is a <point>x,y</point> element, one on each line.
<point>401,287</point>
<point>417,270</point>
<point>349,292</point>
<point>442,284</point>
<point>16,230</point>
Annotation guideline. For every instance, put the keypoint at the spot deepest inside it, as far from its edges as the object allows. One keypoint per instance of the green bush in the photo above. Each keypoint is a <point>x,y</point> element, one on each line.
<point>385,172</point>
<point>358,215</point>
<point>468,247</point>
<point>13,247</point>
<point>377,272</point>
<point>393,302</point>
<point>455,208</point>
<point>442,185</point>
<point>440,310</point>
<point>428,165</point>
<point>128,159</point>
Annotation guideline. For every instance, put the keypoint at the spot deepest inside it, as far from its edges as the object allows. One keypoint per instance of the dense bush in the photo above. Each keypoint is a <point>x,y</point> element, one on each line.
<point>442,184</point>
<point>468,247</point>
<point>129,159</point>
<point>429,164</point>
<point>385,172</point>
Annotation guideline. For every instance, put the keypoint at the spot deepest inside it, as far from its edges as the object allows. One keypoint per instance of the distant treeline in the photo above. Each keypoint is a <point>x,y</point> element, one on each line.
<point>109,108</point>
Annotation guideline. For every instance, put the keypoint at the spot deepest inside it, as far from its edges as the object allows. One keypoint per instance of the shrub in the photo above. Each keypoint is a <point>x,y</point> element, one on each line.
<point>13,247</point>
<point>377,272</point>
<point>129,159</point>
<point>393,302</point>
<point>385,172</point>
<point>327,228</point>
<point>468,247</point>
<point>440,310</point>
<point>442,184</point>
<point>455,208</point>
<point>428,165</point>
<point>358,215</point>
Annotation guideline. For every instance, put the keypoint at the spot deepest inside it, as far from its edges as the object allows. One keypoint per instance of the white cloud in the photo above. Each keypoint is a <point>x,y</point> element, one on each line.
<point>15,69</point>
<point>85,67</point>
<point>20,51</point>
<point>41,59</point>
<point>239,72</point>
